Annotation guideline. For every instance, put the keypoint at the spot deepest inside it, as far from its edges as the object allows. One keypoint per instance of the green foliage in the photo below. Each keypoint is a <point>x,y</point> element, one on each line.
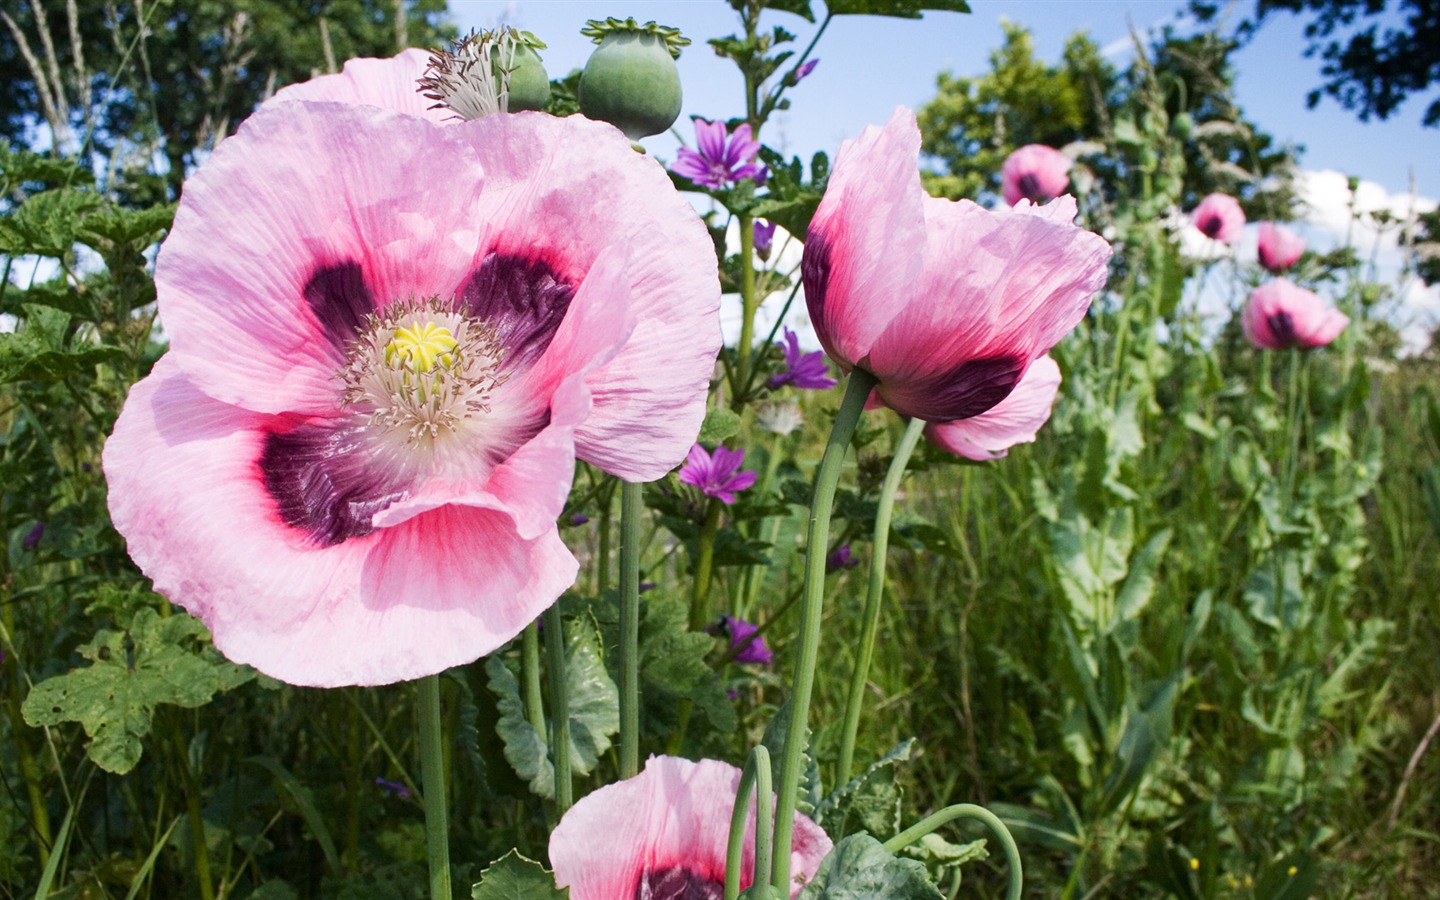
<point>860,867</point>
<point>513,877</point>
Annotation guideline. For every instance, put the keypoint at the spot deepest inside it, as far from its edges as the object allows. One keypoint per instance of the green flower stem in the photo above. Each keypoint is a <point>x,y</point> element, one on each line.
<point>754,577</point>
<point>757,776</point>
<point>530,672</point>
<point>876,592</point>
<point>631,511</point>
<point>968,811</point>
<point>432,785</point>
<point>197,819</point>
<point>29,768</point>
<point>700,612</point>
<point>749,303</point>
<point>559,707</point>
<point>857,390</point>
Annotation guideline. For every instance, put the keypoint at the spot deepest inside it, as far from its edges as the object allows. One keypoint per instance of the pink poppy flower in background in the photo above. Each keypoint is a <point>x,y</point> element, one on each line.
<point>1279,247</point>
<point>1014,420</point>
<point>389,341</point>
<point>663,834</point>
<point>1036,173</point>
<point>1220,218</point>
<point>717,475</point>
<point>1281,315</point>
<point>946,303</point>
<point>721,158</point>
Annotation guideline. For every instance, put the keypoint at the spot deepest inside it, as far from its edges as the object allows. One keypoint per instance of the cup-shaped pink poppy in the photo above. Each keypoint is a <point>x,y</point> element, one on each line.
<point>1281,315</point>
<point>389,340</point>
<point>541,169</point>
<point>663,835</point>
<point>1220,218</point>
<point>946,303</point>
<point>1014,420</point>
<point>1036,173</point>
<point>1279,247</point>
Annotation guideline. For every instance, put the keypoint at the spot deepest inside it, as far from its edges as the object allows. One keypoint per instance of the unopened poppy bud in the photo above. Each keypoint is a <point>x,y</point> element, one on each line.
<point>529,83</point>
<point>1183,125</point>
<point>631,80</point>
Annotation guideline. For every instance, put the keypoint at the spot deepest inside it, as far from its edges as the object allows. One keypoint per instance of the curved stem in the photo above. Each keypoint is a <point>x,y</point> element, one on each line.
<point>631,509</point>
<point>432,782</point>
<point>757,776</point>
<point>857,390</point>
<point>559,707</point>
<point>875,593</point>
<point>968,811</point>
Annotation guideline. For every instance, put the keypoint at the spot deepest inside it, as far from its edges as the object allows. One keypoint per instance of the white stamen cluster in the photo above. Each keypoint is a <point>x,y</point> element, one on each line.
<point>419,369</point>
<point>472,79</point>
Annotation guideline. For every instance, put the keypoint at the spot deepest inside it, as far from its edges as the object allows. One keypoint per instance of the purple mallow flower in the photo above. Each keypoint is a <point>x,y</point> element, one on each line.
<point>394,788</point>
<point>748,646</point>
<point>804,370</point>
<point>720,160</point>
<point>840,558</point>
<point>764,239</point>
<point>716,476</point>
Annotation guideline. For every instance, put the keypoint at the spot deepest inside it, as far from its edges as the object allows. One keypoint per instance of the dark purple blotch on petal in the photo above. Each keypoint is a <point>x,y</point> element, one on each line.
<point>1282,326</point>
<point>523,299</point>
<point>973,387</point>
<point>677,883</point>
<point>1029,186</point>
<point>815,276</point>
<point>1210,226</point>
<point>321,483</point>
<point>338,297</point>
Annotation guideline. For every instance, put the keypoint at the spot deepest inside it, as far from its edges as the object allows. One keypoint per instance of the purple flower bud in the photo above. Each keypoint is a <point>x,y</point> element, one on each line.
<point>840,558</point>
<point>807,371</point>
<point>805,69</point>
<point>392,788</point>
<point>579,519</point>
<point>764,238</point>
<point>32,539</point>
<point>749,647</point>
<point>646,586</point>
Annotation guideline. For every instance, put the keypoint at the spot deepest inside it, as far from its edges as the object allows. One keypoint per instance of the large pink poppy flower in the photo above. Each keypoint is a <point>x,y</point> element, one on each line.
<point>662,836</point>
<point>1281,314</point>
<point>1014,420</point>
<point>387,339</point>
<point>1036,173</point>
<point>1279,247</point>
<point>1220,218</point>
<point>946,303</point>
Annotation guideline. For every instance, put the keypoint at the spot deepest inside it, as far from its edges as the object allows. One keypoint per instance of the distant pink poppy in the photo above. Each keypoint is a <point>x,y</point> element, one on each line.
<point>1281,314</point>
<point>1220,218</point>
<point>1036,173</point>
<point>389,341</point>
<point>946,303</point>
<point>663,834</point>
<point>1279,247</point>
<point>1014,420</point>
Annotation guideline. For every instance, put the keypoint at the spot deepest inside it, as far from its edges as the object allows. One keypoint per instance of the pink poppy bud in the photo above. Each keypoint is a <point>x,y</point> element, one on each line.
<point>1281,314</point>
<point>1279,247</point>
<point>1220,218</point>
<point>1036,173</point>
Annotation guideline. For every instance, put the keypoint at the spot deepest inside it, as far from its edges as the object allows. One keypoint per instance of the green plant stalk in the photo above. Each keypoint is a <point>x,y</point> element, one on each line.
<point>530,671</point>
<point>197,820</point>
<point>749,304</point>
<point>631,512</point>
<point>700,612</point>
<point>559,707</point>
<point>756,776</point>
<point>870,619</point>
<point>432,785</point>
<point>968,811</point>
<point>857,390</point>
<point>39,812</point>
<point>755,575</point>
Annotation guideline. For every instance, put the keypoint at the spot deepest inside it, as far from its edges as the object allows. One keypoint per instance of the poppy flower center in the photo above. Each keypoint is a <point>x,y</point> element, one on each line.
<point>420,368</point>
<point>677,883</point>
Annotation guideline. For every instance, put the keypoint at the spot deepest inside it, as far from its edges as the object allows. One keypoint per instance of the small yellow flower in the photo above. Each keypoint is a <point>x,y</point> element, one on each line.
<point>1194,864</point>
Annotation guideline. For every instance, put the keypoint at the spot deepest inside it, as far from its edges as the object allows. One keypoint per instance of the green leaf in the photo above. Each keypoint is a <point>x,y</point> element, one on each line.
<point>156,660</point>
<point>37,352</point>
<point>46,223</point>
<point>513,877</point>
<point>808,791</point>
<point>1139,584</point>
<point>305,803</point>
<point>719,424</point>
<point>673,664</point>
<point>860,867</point>
<point>798,7</point>
<point>138,228</point>
<point>900,9</point>
<point>1146,735</point>
<point>872,797</point>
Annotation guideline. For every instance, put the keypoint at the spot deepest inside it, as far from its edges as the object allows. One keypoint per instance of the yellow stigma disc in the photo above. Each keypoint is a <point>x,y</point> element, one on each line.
<point>421,348</point>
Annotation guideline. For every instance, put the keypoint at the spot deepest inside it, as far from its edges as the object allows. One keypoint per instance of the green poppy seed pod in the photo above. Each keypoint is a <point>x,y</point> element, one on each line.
<point>529,83</point>
<point>631,80</point>
<point>1183,125</point>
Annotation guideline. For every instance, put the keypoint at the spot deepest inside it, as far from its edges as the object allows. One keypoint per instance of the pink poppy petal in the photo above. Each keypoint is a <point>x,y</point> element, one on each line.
<point>439,590</point>
<point>863,251</point>
<point>294,230</point>
<point>1014,420</point>
<point>1280,314</point>
<point>386,83</point>
<point>1325,329</point>
<point>668,825</point>
<point>1034,172</point>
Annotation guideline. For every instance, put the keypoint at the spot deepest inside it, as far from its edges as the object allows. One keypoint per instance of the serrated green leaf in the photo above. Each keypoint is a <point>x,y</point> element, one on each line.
<point>155,661</point>
<point>900,9</point>
<point>798,7</point>
<point>120,226</point>
<point>860,868</point>
<point>808,791</point>
<point>1139,584</point>
<point>673,664</point>
<point>719,424</point>
<point>872,798</point>
<point>513,877</point>
<point>37,352</point>
<point>45,224</point>
<point>933,846</point>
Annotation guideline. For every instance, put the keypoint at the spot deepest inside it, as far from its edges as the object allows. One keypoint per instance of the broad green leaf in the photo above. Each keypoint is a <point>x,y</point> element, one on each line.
<point>156,660</point>
<point>119,226</point>
<point>860,868</point>
<point>902,9</point>
<point>872,798</point>
<point>513,877</point>
<point>798,7</point>
<point>37,352</point>
<point>45,224</point>
<point>1139,584</point>
<point>719,424</point>
<point>673,665</point>
<point>1146,735</point>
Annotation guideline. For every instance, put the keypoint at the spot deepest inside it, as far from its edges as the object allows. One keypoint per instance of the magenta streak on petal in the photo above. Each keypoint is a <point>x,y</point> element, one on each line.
<point>523,299</point>
<point>321,483</point>
<point>815,276</point>
<point>677,883</point>
<point>969,389</point>
<point>340,301</point>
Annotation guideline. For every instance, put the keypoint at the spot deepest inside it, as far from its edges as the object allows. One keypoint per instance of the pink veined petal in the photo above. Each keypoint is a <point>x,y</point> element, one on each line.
<point>308,218</point>
<point>569,191</point>
<point>1326,329</point>
<point>999,289</point>
<point>676,813</point>
<point>386,83</point>
<point>1014,420</point>
<point>864,250</point>
<point>438,590</point>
